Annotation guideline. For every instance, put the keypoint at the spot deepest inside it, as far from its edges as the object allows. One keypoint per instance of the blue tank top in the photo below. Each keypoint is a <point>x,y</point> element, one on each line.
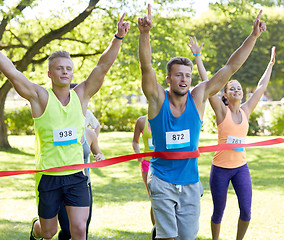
<point>176,134</point>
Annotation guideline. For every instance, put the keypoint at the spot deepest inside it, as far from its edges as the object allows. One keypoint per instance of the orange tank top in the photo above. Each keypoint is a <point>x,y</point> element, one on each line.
<point>230,132</point>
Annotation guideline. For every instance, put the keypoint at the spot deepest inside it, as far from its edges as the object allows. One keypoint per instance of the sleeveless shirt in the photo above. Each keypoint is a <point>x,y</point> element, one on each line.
<point>176,134</point>
<point>58,132</point>
<point>147,138</point>
<point>230,132</point>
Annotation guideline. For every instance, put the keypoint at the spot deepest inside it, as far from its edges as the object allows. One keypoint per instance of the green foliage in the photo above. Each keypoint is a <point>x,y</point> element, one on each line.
<point>121,118</point>
<point>254,127</point>
<point>19,121</point>
<point>223,32</point>
<point>276,126</point>
<point>209,121</point>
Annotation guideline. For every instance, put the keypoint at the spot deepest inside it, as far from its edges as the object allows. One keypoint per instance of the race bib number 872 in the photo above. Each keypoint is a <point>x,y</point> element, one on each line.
<point>64,136</point>
<point>178,139</point>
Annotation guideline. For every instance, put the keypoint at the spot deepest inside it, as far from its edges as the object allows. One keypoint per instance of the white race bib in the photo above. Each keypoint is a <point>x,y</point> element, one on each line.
<point>150,144</point>
<point>178,139</point>
<point>64,136</point>
<point>236,140</point>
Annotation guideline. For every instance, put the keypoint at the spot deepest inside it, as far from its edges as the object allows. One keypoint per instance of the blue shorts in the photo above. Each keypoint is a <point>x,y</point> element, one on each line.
<point>71,190</point>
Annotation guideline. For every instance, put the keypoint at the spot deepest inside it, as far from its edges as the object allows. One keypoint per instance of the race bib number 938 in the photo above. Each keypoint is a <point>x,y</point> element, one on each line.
<point>64,136</point>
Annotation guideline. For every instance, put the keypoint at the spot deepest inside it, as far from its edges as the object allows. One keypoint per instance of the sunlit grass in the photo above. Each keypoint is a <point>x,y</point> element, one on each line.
<point>121,205</point>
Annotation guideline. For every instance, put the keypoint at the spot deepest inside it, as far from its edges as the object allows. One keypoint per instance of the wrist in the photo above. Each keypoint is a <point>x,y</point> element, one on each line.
<point>118,37</point>
<point>196,54</point>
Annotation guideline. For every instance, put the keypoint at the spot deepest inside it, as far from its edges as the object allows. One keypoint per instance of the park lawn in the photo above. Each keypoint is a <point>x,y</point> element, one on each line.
<point>121,205</point>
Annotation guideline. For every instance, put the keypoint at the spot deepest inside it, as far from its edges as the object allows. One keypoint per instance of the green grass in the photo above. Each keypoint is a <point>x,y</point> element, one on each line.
<point>121,205</point>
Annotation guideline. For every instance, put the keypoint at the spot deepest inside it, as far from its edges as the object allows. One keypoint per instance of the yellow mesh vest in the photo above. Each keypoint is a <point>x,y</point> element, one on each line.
<point>146,135</point>
<point>57,117</point>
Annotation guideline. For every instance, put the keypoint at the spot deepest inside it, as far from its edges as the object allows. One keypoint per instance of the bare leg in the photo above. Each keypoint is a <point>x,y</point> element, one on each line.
<point>45,228</point>
<point>144,176</point>
<point>215,230</point>
<point>242,228</point>
<point>78,217</point>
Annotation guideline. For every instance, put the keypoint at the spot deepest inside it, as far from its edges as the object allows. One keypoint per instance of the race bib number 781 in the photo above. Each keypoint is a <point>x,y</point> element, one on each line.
<point>236,140</point>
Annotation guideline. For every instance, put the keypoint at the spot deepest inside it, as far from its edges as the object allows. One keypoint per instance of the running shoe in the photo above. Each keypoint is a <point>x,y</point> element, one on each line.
<point>153,233</point>
<point>32,231</point>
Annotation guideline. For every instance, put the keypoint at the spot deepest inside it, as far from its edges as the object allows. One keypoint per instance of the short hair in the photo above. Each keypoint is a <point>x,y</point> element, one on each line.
<point>57,54</point>
<point>178,60</point>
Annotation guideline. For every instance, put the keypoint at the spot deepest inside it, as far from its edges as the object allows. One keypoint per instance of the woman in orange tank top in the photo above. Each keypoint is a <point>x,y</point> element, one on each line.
<point>230,165</point>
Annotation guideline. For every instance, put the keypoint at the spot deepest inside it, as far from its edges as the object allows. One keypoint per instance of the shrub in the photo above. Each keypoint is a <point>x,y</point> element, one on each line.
<point>19,121</point>
<point>276,126</point>
<point>121,118</point>
<point>209,121</point>
<point>254,127</point>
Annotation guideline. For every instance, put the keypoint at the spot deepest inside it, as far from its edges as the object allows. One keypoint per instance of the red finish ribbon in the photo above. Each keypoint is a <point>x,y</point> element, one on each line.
<point>165,155</point>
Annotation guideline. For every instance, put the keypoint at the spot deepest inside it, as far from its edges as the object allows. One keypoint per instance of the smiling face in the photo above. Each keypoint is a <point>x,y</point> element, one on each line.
<point>233,91</point>
<point>61,71</point>
<point>179,79</point>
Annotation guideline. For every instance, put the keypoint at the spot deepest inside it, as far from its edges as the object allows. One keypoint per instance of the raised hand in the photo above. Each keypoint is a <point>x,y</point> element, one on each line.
<point>272,59</point>
<point>145,23</point>
<point>194,45</point>
<point>122,27</point>
<point>258,26</point>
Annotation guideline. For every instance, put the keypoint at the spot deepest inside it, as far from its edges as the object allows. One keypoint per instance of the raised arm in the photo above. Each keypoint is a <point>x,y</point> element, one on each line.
<point>92,84</point>
<point>215,102</point>
<point>139,126</point>
<point>152,90</point>
<point>196,51</point>
<point>236,60</point>
<point>251,103</point>
<point>34,93</point>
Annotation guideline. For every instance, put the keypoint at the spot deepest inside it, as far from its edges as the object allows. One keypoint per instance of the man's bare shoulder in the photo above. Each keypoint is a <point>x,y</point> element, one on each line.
<point>198,90</point>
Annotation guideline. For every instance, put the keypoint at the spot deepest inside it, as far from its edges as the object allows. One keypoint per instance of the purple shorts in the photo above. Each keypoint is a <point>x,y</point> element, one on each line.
<point>145,165</point>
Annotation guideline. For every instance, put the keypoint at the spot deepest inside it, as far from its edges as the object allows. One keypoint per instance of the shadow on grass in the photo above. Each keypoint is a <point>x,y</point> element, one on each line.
<point>14,230</point>
<point>266,167</point>
<point>16,151</point>
<point>121,235</point>
<point>125,235</point>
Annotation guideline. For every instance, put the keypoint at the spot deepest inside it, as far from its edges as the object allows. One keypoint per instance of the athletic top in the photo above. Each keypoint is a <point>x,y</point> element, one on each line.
<point>147,138</point>
<point>176,134</point>
<point>91,120</point>
<point>230,132</point>
<point>58,132</point>
<point>86,153</point>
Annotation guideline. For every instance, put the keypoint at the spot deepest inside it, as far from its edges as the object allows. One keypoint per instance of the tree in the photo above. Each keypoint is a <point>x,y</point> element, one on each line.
<point>224,31</point>
<point>30,50</point>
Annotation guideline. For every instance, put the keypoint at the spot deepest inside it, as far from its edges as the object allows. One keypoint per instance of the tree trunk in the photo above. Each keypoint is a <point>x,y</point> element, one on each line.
<point>28,57</point>
<point>4,143</point>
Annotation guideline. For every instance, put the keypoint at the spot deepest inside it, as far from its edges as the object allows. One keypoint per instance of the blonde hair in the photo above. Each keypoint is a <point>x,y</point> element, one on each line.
<point>57,54</point>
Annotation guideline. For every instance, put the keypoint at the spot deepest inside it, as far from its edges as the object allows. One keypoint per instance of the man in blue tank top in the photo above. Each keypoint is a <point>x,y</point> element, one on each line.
<point>176,117</point>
